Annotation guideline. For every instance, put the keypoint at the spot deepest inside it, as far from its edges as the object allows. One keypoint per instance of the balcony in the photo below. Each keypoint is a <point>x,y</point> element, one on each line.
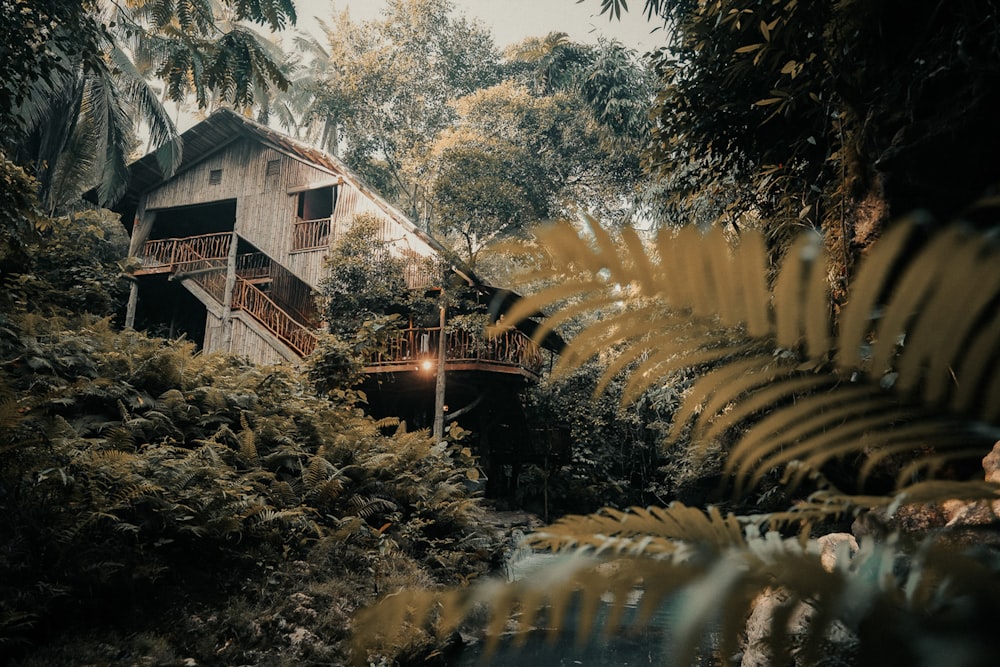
<point>311,234</point>
<point>416,349</point>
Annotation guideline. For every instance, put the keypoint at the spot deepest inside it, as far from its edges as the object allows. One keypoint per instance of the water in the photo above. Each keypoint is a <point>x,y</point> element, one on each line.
<point>630,646</point>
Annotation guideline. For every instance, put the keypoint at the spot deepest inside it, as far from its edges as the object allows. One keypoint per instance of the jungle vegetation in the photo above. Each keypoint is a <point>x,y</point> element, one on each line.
<point>162,505</point>
<point>821,378</point>
<point>755,385</point>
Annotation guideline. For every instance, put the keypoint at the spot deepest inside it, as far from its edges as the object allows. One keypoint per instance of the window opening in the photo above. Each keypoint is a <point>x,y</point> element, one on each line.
<point>318,203</point>
<point>215,177</point>
<point>314,212</point>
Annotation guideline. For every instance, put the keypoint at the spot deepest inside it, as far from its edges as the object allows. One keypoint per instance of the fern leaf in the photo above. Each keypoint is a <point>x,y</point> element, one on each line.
<point>920,325</point>
<point>248,442</point>
<point>706,398</point>
<point>868,290</point>
<point>976,367</point>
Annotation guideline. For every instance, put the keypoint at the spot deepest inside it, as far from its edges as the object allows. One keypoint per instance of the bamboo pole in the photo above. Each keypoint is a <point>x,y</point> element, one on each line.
<point>227,302</point>
<point>438,433</point>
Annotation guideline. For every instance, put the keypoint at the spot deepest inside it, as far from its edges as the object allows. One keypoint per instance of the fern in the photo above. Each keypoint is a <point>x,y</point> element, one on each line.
<point>365,507</point>
<point>248,442</point>
<point>908,372</point>
<point>915,344</point>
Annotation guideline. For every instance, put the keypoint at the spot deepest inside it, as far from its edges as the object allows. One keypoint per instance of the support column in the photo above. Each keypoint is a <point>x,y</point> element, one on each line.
<point>142,225</point>
<point>227,297</point>
<point>438,432</point>
<point>133,300</point>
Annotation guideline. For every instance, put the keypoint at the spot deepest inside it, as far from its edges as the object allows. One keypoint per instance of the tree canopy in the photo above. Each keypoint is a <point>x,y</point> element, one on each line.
<point>835,116</point>
<point>472,144</point>
<point>78,81</point>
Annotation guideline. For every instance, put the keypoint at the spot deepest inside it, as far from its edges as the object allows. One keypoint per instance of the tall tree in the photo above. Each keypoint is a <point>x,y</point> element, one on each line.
<point>561,134</point>
<point>74,104</point>
<point>831,115</point>
<point>381,89</point>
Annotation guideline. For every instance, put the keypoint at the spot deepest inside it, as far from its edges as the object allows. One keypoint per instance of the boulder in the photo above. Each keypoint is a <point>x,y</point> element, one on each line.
<point>839,639</point>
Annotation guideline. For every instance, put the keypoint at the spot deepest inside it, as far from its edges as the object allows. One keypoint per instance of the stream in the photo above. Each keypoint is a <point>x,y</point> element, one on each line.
<point>628,647</point>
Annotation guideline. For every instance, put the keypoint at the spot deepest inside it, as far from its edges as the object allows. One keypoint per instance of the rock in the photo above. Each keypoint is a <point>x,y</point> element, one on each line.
<point>991,464</point>
<point>830,549</point>
<point>840,640</point>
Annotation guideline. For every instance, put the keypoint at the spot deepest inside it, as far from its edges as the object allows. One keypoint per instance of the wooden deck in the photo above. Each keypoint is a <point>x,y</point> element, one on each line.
<point>203,259</point>
<point>172,255</point>
<point>416,350</point>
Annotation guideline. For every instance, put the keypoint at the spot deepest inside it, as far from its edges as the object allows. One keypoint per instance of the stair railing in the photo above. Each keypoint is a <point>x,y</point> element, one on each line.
<point>247,297</point>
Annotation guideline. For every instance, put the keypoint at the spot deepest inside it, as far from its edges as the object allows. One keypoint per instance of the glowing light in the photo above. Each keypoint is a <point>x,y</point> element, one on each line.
<point>427,364</point>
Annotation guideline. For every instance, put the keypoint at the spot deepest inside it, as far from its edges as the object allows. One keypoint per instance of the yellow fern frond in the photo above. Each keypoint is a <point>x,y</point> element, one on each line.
<point>916,344</point>
<point>248,442</point>
<point>654,531</point>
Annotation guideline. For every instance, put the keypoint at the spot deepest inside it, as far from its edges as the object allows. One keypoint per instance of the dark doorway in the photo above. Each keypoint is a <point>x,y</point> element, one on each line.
<point>195,220</point>
<point>167,309</point>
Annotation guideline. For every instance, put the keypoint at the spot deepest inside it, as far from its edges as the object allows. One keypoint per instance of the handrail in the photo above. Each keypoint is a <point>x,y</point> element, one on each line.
<point>247,297</point>
<point>253,266</point>
<point>311,234</point>
<point>200,258</point>
<point>415,345</point>
<point>164,252</point>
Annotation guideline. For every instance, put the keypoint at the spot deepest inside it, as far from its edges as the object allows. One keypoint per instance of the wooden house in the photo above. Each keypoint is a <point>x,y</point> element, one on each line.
<point>230,251</point>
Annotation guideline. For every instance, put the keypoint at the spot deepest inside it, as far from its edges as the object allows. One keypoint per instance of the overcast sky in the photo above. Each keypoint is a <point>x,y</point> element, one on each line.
<point>513,20</point>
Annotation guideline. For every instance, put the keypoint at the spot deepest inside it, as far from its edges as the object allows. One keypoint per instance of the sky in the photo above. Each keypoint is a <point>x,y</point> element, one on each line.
<point>513,20</point>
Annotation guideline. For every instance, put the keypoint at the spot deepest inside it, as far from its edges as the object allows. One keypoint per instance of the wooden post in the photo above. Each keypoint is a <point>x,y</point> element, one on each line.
<point>133,300</point>
<point>141,227</point>
<point>227,295</point>
<point>438,432</point>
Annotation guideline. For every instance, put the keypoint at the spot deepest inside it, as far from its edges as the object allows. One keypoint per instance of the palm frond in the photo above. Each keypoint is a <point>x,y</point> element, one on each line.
<point>107,118</point>
<point>163,134</point>
<point>914,347</point>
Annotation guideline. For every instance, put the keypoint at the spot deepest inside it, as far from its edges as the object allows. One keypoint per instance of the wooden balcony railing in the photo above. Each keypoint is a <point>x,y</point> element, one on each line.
<point>246,296</point>
<point>311,234</point>
<point>414,346</point>
<point>167,253</point>
<point>209,274</point>
<point>203,259</point>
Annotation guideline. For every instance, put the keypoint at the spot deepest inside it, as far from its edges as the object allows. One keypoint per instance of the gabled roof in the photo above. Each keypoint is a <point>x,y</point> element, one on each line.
<point>225,126</point>
<point>219,130</point>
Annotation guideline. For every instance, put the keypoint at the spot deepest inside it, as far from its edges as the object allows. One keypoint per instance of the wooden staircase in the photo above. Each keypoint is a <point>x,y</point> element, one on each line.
<point>203,260</point>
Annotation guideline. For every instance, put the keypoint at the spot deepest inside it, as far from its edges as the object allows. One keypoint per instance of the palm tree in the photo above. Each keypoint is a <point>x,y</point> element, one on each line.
<point>556,62</point>
<point>81,121</point>
<point>310,109</point>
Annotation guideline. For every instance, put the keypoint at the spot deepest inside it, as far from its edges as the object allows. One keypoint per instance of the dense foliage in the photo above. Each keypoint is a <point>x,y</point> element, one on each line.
<point>549,127</point>
<point>78,81</point>
<point>161,505</point>
<point>835,116</point>
<point>890,387</point>
<point>614,450</point>
<point>363,278</point>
